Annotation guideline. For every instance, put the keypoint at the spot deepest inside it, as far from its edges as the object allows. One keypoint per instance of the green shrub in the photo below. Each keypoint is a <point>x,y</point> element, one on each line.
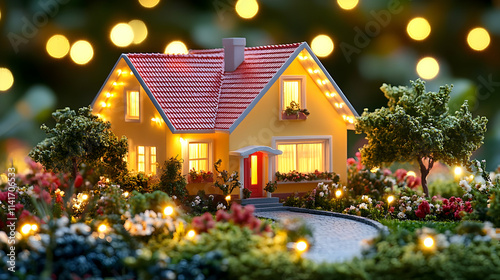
<point>445,189</point>
<point>134,182</point>
<point>171,180</point>
<point>412,226</point>
<point>156,201</point>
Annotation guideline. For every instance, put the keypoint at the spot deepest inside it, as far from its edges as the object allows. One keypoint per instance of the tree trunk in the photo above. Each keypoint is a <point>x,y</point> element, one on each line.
<point>424,171</point>
<point>75,167</point>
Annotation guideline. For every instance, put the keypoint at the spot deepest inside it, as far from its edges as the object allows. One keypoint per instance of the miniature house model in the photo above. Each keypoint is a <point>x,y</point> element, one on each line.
<point>230,104</point>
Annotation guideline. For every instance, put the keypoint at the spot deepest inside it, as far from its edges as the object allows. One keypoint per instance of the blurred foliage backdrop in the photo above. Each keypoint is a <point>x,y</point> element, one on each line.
<point>371,46</point>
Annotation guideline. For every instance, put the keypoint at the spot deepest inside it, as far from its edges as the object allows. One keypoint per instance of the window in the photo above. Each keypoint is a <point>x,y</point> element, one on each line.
<point>254,168</point>
<point>152,162</point>
<point>292,89</point>
<point>198,156</point>
<point>133,105</point>
<point>303,154</point>
<point>141,159</point>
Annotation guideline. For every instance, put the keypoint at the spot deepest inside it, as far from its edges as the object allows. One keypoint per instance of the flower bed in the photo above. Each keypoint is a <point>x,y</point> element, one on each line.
<point>295,176</point>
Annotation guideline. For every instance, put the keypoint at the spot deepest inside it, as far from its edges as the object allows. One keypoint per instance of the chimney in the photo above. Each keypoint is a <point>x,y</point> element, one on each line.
<point>234,53</point>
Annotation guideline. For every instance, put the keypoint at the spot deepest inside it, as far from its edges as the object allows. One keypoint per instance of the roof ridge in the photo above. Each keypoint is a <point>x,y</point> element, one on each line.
<point>222,76</point>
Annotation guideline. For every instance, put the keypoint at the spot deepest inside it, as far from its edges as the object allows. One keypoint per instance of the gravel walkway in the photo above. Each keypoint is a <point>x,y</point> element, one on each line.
<point>335,239</point>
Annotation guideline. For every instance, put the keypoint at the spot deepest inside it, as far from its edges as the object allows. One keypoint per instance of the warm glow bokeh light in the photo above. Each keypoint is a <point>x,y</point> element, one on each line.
<point>347,4</point>
<point>176,47</point>
<point>478,39</point>
<point>191,234</point>
<point>6,79</point>
<point>418,28</point>
<point>149,3</point>
<point>390,199</point>
<point>25,229</point>
<point>428,242</point>
<point>139,29</point>
<point>169,210</point>
<point>122,35</point>
<point>301,246</point>
<point>428,68</point>
<point>411,173</point>
<point>338,193</point>
<point>58,46</point>
<point>322,45</point>
<point>246,9</point>
<point>458,171</point>
<point>81,52</point>
<point>102,228</point>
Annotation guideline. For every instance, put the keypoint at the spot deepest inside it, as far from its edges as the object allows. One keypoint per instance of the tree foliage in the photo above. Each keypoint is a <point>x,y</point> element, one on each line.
<point>81,138</point>
<point>171,181</point>
<point>417,126</point>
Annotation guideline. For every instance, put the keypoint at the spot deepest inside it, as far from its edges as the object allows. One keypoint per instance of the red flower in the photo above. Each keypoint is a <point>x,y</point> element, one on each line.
<point>78,181</point>
<point>423,209</point>
<point>3,196</point>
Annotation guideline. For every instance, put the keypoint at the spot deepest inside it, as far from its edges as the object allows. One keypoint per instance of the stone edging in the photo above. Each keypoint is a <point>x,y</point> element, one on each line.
<point>363,220</point>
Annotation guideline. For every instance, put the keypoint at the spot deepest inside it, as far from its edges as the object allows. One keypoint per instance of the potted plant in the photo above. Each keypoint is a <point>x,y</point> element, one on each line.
<point>200,177</point>
<point>293,111</point>
<point>246,193</point>
<point>271,186</point>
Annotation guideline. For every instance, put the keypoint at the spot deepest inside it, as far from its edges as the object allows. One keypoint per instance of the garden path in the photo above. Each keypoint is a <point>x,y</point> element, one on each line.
<point>335,239</point>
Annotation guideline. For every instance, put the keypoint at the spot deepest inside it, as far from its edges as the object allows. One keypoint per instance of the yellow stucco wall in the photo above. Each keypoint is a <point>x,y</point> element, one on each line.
<point>262,123</point>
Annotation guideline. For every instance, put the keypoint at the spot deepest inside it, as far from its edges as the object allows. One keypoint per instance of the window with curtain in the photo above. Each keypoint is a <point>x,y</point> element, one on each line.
<point>132,105</point>
<point>291,92</point>
<point>198,156</point>
<point>152,161</point>
<point>301,157</point>
<point>141,158</point>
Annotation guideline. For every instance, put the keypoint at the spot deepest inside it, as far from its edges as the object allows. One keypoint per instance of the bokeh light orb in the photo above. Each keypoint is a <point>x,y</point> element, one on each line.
<point>149,3</point>
<point>347,4</point>
<point>57,46</point>
<point>246,9</point>
<point>428,68</point>
<point>81,52</point>
<point>176,47</point>
<point>6,79</point>
<point>139,29</point>
<point>478,39</point>
<point>418,28</point>
<point>322,45</point>
<point>122,35</point>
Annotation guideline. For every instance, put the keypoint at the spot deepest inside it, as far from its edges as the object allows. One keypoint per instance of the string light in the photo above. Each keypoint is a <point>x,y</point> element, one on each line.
<point>57,46</point>
<point>122,35</point>
<point>6,79</point>
<point>139,29</point>
<point>81,52</point>
<point>428,68</point>
<point>246,9</point>
<point>322,45</point>
<point>418,28</point>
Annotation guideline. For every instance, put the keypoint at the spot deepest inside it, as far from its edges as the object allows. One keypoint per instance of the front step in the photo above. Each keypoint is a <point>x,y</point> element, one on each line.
<point>264,204</point>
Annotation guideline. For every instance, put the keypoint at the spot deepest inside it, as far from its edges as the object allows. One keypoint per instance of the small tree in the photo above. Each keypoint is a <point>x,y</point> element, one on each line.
<point>171,181</point>
<point>81,138</point>
<point>416,125</point>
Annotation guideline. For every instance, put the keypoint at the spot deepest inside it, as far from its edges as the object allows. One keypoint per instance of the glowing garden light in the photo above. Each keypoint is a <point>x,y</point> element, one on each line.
<point>428,242</point>
<point>191,234</point>
<point>228,198</point>
<point>390,199</point>
<point>478,39</point>
<point>81,52</point>
<point>122,35</point>
<point>176,47</point>
<point>458,171</point>
<point>25,229</point>
<point>418,28</point>
<point>428,68</point>
<point>301,246</point>
<point>322,45</point>
<point>338,193</point>
<point>347,4</point>
<point>411,173</point>
<point>85,197</point>
<point>125,194</point>
<point>246,9</point>
<point>6,79</point>
<point>102,228</point>
<point>169,210</point>
<point>57,46</point>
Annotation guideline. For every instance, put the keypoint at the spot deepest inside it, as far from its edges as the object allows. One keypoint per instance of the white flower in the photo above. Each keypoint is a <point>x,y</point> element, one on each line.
<point>211,197</point>
<point>401,215</point>
<point>465,186</point>
<point>321,194</point>
<point>408,208</point>
<point>221,206</point>
<point>482,188</point>
<point>174,197</point>
<point>320,184</point>
<point>352,208</point>
<point>363,206</point>
<point>405,197</point>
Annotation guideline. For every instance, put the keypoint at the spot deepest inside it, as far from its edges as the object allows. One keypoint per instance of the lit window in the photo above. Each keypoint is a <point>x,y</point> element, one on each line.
<point>292,89</point>
<point>152,162</point>
<point>132,105</point>
<point>198,156</point>
<point>141,159</point>
<point>302,157</point>
<point>254,167</point>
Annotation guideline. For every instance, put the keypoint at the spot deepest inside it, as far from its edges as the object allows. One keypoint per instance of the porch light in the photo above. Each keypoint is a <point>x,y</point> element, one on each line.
<point>301,246</point>
<point>338,193</point>
<point>169,210</point>
<point>390,199</point>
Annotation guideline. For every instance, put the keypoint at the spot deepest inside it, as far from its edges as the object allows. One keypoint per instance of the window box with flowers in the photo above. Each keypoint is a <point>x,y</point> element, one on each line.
<point>200,176</point>
<point>295,176</point>
<point>293,112</point>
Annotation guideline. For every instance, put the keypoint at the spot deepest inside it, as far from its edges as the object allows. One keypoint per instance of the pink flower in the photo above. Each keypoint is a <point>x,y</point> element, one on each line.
<point>351,161</point>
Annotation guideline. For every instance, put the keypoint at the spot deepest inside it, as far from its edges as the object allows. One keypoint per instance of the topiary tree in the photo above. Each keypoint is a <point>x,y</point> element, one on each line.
<point>417,125</point>
<point>80,138</point>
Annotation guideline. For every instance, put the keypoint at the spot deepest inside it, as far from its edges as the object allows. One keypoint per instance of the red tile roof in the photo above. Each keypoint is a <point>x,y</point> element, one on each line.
<point>194,91</point>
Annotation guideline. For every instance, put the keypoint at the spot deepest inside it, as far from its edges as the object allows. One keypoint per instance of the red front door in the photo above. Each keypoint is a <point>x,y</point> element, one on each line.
<point>253,174</point>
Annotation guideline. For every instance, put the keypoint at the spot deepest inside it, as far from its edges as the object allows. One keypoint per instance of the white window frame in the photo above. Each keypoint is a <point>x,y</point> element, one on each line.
<point>302,101</point>
<point>147,159</point>
<point>326,139</point>
<point>127,117</point>
<point>185,154</point>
